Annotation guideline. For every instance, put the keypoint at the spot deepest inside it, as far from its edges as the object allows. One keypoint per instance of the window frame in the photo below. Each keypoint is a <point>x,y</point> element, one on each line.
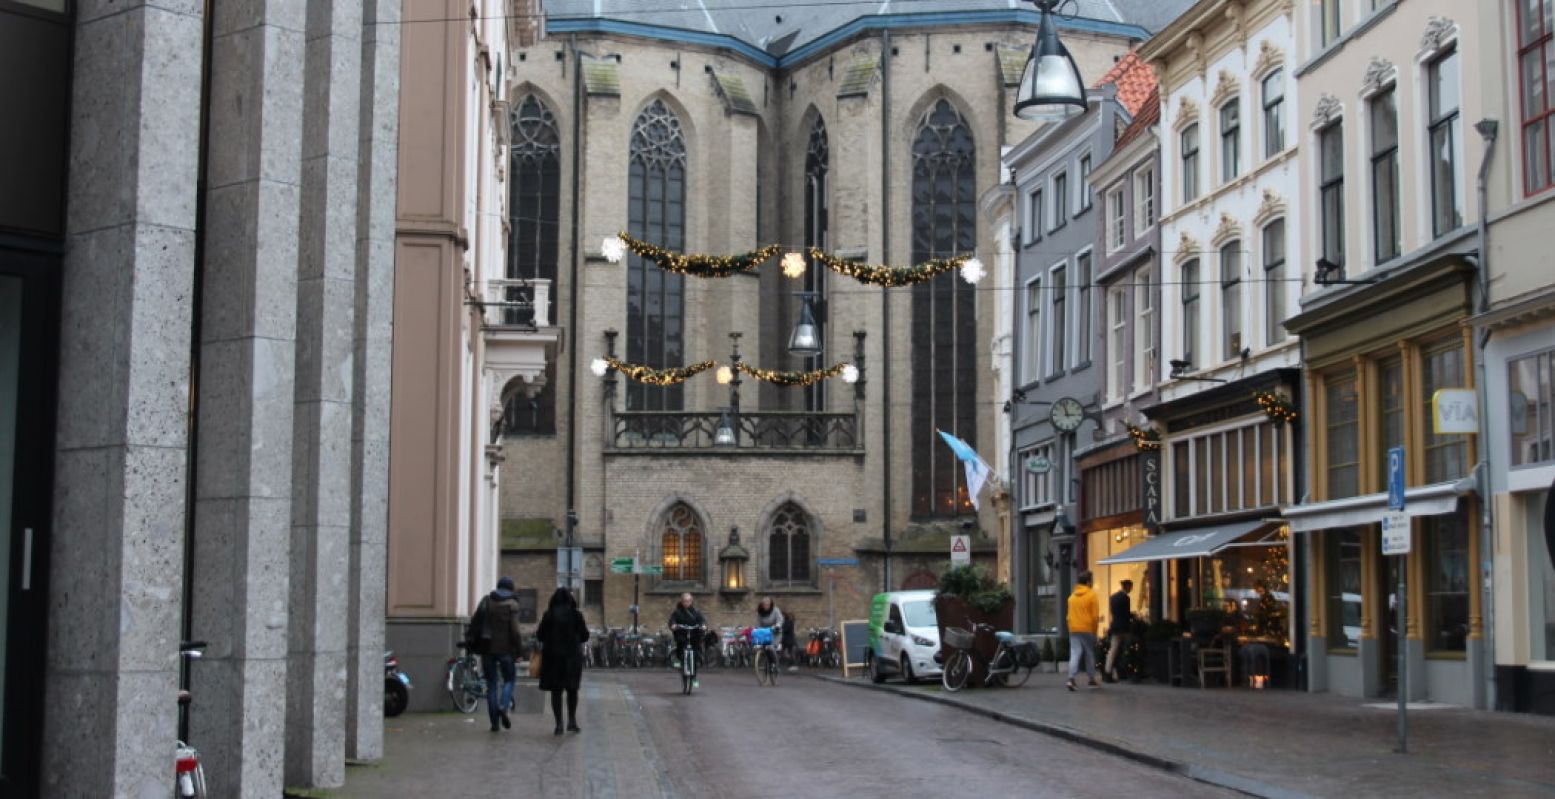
<point>676,575</point>
<point>1084,273</point>
<point>1273,113</point>
<point>1446,201</point>
<point>1060,200</point>
<point>1117,220</point>
<point>1537,413</point>
<point>1230,115</point>
<point>1144,201</point>
<point>1117,343</point>
<point>1232,338</point>
<point>1086,192</point>
<point>1331,189</point>
<point>1243,486</point>
<point>1384,157</point>
<point>1330,25</point>
<point>1189,162</point>
<point>1333,426</point>
<point>1058,321</point>
<point>1275,304</point>
<point>1192,311</point>
<point>1031,350</point>
<point>1144,331</point>
<point>801,524</point>
<point>1034,217</point>
<point>658,173</point>
<point>1535,124</point>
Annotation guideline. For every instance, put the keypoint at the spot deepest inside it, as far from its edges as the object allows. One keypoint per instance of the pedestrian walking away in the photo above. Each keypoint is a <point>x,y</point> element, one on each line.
<point>494,634</point>
<point>1120,627</point>
<point>562,634</point>
<point>1084,620</point>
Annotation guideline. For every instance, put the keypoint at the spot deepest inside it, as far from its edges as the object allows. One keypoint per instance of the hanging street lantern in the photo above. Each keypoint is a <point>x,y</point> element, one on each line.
<point>731,561</point>
<point>805,341</point>
<point>1050,87</point>
<point>723,436</point>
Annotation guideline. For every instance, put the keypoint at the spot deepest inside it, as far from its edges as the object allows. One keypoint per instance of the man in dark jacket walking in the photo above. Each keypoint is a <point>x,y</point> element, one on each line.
<point>1118,629</point>
<point>494,633</point>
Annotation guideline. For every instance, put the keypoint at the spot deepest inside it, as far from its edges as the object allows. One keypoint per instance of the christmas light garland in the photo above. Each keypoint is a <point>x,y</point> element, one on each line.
<point>1275,406</point>
<point>674,376</point>
<point>848,371</point>
<point>651,376</point>
<point>1145,438</point>
<point>692,264</point>
<point>890,276</point>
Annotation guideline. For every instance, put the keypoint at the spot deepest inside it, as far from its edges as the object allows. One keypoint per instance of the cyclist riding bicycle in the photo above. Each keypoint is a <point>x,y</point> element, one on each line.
<point>768,615</point>
<point>685,615</point>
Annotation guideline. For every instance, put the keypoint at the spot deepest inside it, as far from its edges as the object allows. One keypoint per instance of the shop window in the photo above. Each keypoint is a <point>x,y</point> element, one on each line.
<point>1446,456</point>
<point>1532,412</point>
<point>1038,485</point>
<point>1252,583</point>
<point>1390,411</point>
<point>1107,580</point>
<point>1541,584</point>
<point>1342,565</point>
<point>1342,436</point>
<point>1447,582</point>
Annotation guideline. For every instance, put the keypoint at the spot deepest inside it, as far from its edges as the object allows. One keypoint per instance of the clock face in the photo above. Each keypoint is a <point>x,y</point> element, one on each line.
<point>1067,414</point>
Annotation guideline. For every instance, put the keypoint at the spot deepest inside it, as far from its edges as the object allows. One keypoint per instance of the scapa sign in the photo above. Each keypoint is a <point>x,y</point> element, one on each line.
<point>1150,476</point>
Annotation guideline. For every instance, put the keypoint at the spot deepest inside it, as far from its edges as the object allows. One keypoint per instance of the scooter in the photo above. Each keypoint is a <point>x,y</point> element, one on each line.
<point>396,686</point>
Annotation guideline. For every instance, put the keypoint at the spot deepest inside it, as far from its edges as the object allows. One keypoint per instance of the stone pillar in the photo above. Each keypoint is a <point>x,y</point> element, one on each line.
<point>370,377</point>
<point>117,559</point>
<point>321,448</point>
<point>247,359</point>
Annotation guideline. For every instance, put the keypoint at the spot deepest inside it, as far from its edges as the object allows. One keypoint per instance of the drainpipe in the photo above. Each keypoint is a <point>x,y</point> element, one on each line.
<point>1487,129</point>
<point>192,428</point>
<point>572,289</point>
<point>887,417</point>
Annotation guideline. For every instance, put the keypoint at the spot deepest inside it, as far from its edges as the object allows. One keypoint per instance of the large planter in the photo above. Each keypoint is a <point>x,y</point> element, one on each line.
<point>957,612</point>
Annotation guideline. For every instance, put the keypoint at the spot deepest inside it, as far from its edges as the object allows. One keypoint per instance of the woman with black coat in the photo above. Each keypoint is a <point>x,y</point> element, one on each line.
<point>562,633</point>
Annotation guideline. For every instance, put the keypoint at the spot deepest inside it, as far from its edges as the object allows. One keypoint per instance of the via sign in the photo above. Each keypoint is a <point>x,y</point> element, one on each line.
<point>1395,533</point>
<point>1454,410</point>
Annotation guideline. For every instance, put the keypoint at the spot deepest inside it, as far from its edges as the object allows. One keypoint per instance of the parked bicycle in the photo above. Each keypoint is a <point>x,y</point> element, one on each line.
<point>1012,663</point>
<point>766,655</point>
<point>466,684</point>
<point>821,651</point>
<point>188,774</point>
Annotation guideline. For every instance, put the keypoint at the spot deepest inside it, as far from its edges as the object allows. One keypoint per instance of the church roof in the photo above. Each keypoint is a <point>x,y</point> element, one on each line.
<point>779,29</point>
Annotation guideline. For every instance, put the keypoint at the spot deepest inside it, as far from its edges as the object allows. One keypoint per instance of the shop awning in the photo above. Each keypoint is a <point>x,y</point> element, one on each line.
<point>1432,500</point>
<point>1194,543</point>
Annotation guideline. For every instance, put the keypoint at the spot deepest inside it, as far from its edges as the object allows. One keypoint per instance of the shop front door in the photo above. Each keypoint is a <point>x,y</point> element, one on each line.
<point>28,353</point>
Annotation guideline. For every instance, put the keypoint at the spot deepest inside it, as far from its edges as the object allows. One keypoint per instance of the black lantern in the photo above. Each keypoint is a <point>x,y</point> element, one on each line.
<point>731,561</point>
<point>723,436</point>
<point>1050,86</point>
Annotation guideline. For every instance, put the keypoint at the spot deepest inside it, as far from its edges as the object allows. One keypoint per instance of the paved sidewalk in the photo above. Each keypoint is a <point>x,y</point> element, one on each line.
<point>452,754</point>
<point>1279,743</point>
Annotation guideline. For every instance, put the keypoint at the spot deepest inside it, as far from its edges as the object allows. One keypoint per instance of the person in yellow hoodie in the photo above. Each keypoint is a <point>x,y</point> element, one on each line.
<point>1084,621</point>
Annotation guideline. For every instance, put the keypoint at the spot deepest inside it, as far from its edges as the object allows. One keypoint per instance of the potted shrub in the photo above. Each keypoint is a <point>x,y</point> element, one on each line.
<point>970,593</point>
<point>1158,638</point>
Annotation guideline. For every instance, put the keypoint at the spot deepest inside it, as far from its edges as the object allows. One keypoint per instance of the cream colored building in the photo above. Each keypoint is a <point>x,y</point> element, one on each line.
<point>465,333</point>
<point>1391,93</point>
<point>717,132</point>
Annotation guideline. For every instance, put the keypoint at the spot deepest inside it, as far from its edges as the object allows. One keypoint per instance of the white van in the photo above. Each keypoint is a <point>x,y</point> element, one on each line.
<point>903,636</point>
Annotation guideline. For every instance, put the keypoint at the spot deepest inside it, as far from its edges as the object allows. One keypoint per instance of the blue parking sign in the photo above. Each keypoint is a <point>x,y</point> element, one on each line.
<point>1396,478</point>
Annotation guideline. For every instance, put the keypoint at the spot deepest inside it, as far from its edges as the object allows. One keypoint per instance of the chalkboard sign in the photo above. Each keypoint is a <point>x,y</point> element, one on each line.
<point>855,645</point>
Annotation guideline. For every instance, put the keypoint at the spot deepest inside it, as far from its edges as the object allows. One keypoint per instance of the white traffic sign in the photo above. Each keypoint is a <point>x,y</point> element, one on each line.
<point>1395,533</point>
<point>960,550</point>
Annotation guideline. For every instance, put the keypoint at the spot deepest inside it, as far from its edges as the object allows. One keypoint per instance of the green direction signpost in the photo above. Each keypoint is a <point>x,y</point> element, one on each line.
<point>623,565</point>
<point>642,569</point>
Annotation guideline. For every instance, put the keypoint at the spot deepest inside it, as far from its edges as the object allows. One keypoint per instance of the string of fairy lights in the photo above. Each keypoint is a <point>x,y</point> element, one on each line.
<point>674,376</point>
<point>793,263</point>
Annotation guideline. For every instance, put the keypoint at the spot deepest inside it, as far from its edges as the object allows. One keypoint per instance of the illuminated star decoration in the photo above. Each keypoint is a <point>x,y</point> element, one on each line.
<point>793,265</point>
<point>972,271</point>
<point>849,373</point>
<point>614,249</point>
<point>599,366</point>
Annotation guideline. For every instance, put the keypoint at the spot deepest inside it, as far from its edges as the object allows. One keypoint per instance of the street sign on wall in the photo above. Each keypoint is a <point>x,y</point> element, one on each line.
<point>1454,410</point>
<point>960,550</point>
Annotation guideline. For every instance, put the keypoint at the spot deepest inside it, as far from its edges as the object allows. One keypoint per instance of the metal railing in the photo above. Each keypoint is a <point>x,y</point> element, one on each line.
<point>773,431</point>
<point>518,302</point>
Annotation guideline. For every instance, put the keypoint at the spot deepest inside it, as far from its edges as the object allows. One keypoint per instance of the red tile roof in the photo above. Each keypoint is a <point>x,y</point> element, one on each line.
<point>1148,115</point>
<point>1135,81</point>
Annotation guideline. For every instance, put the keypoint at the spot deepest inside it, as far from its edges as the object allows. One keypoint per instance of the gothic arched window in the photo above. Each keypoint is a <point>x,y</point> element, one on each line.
<point>681,543</point>
<point>944,322</point>
<point>788,547</point>
<point>656,213</point>
<point>817,222</point>
<point>534,209</point>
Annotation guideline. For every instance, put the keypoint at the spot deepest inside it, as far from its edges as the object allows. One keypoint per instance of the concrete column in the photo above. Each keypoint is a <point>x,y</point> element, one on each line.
<point>321,448</point>
<point>117,559</point>
<point>370,377</point>
<point>243,490</point>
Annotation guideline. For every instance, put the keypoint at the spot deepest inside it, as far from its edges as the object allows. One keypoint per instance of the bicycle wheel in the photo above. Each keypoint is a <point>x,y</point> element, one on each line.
<point>957,668</point>
<point>463,686</point>
<point>763,666</point>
